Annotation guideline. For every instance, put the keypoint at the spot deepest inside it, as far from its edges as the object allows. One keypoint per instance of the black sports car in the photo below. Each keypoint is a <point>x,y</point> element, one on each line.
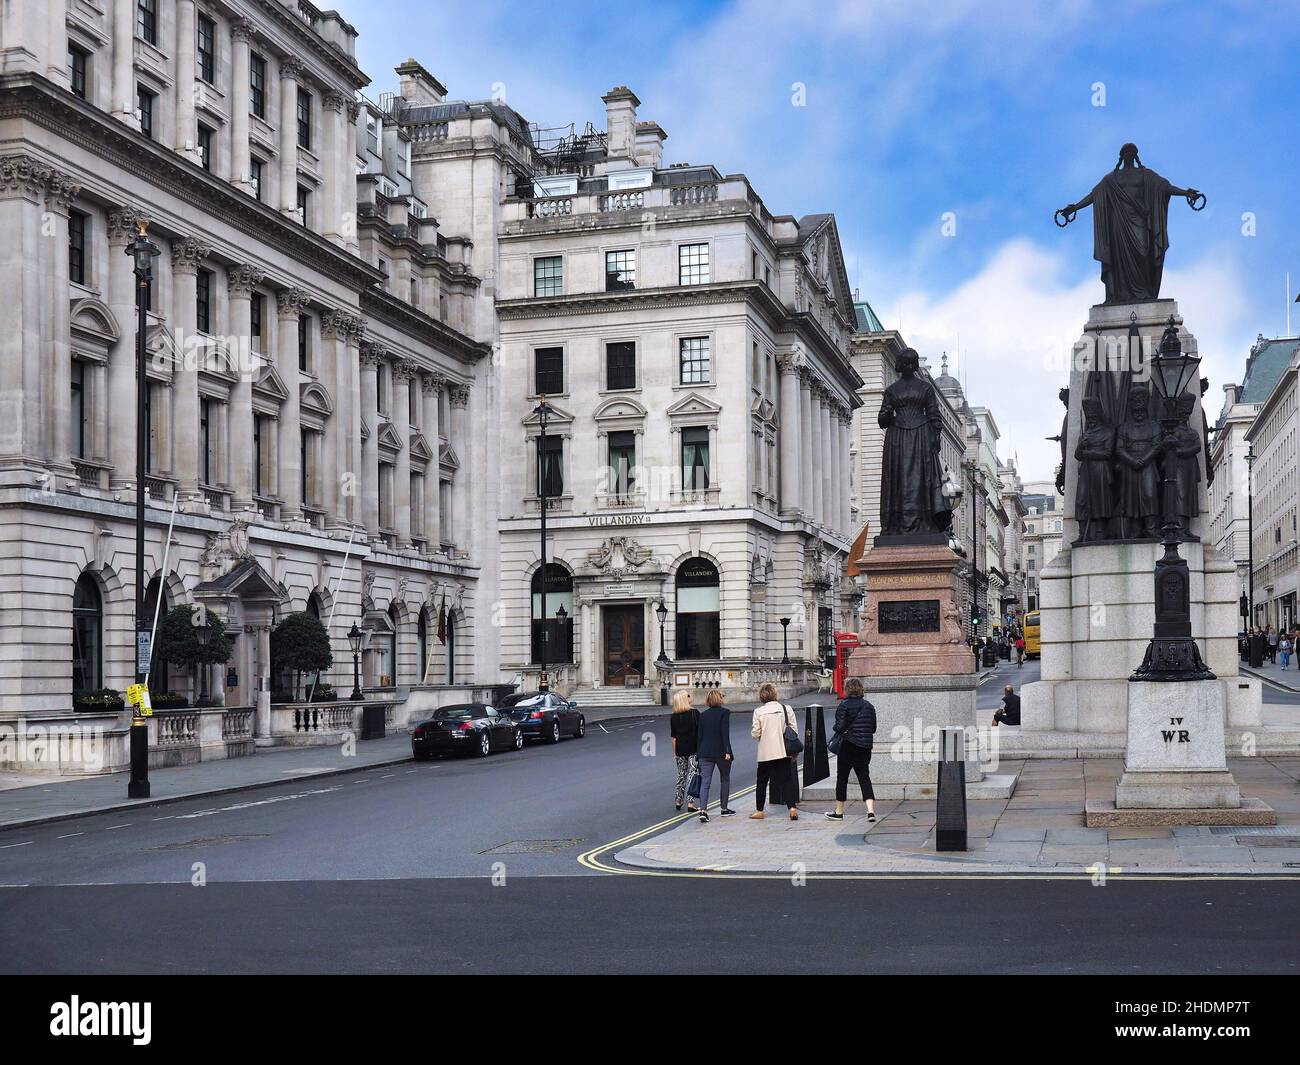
<point>473,728</point>
<point>545,715</point>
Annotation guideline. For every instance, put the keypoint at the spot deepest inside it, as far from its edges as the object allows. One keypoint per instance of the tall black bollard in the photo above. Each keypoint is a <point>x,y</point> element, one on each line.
<point>816,758</point>
<point>950,804</point>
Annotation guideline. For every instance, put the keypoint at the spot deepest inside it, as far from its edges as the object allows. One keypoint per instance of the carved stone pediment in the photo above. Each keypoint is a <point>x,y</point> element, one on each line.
<point>618,556</point>
<point>224,550</point>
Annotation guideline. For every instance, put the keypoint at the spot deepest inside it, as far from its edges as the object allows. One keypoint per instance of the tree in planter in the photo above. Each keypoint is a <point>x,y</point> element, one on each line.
<point>179,643</point>
<point>300,644</point>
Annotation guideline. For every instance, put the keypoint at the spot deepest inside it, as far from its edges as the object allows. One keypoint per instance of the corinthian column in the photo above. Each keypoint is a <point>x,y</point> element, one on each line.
<point>432,388</point>
<point>240,282</point>
<point>828,460</point>
<point>368,478</point>
<point>290,303</point>
<point>241,31</point>
<point>121,360</point>
<point>59,194</point>
<point>187,254</point>
<point>290,69</point>
<point>459,396</point>
<point>403,372</point>
<point>790,436</point>
<point>337,166</point>
<point>123,102</point>
<point>334,461</point>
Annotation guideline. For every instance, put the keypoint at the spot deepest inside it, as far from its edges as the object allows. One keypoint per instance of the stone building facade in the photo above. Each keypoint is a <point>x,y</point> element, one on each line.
<point>313,366</point>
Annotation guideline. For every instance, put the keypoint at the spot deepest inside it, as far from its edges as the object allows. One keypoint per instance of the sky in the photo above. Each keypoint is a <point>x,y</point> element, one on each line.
<point>942,134</point>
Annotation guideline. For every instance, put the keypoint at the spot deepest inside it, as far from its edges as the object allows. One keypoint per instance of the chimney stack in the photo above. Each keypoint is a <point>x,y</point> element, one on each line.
<point>620,117</point>
<point>650,139</point>
<point>417,86</point>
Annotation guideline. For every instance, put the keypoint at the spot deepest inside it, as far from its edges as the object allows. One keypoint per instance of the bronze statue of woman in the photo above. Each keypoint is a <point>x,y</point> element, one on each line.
<point>1130,226</point>
<point>911,483</point>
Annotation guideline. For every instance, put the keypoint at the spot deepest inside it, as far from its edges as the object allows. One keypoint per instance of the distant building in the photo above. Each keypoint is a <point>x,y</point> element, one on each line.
<point>1044,514</point>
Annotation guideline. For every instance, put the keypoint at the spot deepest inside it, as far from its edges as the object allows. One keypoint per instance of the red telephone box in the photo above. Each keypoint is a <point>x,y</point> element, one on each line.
<point>844,643</point>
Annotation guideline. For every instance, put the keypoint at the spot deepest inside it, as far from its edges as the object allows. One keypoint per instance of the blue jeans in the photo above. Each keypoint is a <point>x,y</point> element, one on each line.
<point>1286,659</point>
<point>706,779</point>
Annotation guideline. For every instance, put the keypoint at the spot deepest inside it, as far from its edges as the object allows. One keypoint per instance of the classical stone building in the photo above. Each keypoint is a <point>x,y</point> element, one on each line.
<point>1042,537</point>
<point>315,362</point>
<point>1230,463</point>
<point>693,349</point>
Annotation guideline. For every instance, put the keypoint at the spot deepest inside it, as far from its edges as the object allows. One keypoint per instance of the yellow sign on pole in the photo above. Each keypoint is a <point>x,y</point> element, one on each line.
<point>138,695</point>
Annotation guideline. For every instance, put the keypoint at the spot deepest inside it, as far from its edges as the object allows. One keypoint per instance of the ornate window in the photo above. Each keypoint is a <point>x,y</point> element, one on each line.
<point>548,371</point>
<point>557,632</point>
<point>695,458</point>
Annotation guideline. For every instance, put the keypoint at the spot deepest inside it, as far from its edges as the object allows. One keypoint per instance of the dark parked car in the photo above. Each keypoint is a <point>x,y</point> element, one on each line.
<point>545,715</point>
<point>473,728</point>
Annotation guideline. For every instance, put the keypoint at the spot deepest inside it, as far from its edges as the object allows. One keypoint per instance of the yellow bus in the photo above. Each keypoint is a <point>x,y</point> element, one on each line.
<point>1032,645</point>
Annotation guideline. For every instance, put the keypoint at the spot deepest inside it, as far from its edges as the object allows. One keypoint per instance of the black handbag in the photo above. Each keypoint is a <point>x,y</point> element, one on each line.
<point>693,788</point>
<point>793,744</point>
<point>837,740</point>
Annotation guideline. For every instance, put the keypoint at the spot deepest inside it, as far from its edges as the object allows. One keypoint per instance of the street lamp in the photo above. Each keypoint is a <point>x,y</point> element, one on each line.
<point>143,251</point>
<point>354,641</point>
<point>203,634</point>
<point>543,410</point>
<point>1172,654</point>
<point>785,641</point>
<point>562,615</point>
<point>661,612</point>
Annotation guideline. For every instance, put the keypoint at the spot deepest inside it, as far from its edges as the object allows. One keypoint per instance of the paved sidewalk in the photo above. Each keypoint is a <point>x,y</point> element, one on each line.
<point>1040,830</point>
<point>1275,674</point>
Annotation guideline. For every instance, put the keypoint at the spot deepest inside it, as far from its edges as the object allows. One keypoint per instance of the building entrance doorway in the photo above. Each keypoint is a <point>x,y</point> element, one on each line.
<point>624,644</point>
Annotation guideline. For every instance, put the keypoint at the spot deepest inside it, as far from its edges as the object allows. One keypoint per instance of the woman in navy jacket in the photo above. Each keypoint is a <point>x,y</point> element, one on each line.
<point>855,721</point>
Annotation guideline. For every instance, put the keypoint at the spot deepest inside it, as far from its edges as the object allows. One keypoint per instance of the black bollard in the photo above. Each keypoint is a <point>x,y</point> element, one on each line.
<point>816,758</point>
<point>950,804</point>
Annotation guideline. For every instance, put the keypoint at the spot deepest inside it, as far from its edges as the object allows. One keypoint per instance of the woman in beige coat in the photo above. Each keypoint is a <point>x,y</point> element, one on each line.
<point>776,769</point>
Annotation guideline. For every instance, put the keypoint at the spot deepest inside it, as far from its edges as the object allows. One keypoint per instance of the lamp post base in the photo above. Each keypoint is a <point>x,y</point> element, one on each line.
<point>1172,659</point>
<point>138,786</point>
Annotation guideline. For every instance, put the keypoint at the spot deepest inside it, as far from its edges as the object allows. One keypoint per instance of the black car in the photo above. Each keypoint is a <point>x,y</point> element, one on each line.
<point>545,715</point>
<point>472,728</point>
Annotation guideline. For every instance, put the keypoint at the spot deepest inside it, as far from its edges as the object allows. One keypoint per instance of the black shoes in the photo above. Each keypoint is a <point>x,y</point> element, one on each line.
<point>833,816</point>
<point>704,818</point>
<point>726,813</point>
<point>871,818</point>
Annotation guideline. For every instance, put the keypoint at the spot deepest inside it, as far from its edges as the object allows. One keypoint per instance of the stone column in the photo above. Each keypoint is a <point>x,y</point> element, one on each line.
<point>349,164</point>
<point>828,477</point>
<point>120,292</point>
<point>240,163</point>
<point>368,476</point>
<point>240,281</point>
<point>290,70</point>
<point>22,187</point>
<point>790,436</point>
<point>334,157</point>
<point>846,474</point>
<point>59,194</point>
<point>263,713</point>
<point>351,369</point>
<point>460,487</point>
<point>187,254</point>
<point>403,372</point>
<point>123,103</point>
<point>290,303</point>
<point>186,133</point>
<point>56,67</point>
<point>807,485</point>
<point>814,459</point>
<point>432,386</point>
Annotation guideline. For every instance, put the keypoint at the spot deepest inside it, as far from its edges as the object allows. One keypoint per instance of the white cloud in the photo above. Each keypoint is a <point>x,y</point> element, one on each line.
<point>1015,322</point>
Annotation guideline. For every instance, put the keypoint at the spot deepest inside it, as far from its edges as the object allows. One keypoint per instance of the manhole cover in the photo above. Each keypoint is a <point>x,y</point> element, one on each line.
<point>207,841</point>
<point>534,846</point>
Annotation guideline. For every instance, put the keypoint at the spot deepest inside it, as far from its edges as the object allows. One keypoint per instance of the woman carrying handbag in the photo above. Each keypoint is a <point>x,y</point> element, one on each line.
<point>684,727</point>
<point>851,743</point>
<point>773,724</point>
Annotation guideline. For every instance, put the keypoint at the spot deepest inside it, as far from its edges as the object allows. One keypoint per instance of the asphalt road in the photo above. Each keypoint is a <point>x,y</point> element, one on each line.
<point>393,869</point>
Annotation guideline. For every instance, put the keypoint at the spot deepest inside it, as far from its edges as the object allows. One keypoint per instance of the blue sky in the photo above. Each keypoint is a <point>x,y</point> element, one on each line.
<point>986,110</point>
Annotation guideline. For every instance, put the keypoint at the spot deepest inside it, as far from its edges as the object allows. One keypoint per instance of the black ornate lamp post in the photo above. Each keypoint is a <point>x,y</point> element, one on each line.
<point>785,641</point>
<point>203,634</point>
<point>1172,654</point>
<point>143,252</point>
<point>661,612</point>
<point>562,615</point>
<point>543,410</point>
<point>354,641</point>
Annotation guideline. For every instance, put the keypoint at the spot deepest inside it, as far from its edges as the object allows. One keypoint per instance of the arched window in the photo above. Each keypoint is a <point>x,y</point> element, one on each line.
<point>158,674</point>
<point>389,678</point>
<point>87,635</point>
<point>557,627</point>
<point>422,631</point>
<point>313,606</point>
<point>698,609</point>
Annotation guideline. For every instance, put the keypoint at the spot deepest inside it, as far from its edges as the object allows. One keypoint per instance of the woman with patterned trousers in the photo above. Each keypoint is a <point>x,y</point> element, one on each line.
<point>684,725</point>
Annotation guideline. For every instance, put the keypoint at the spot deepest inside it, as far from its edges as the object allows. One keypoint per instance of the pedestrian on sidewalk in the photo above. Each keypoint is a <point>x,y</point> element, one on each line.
<point>715,750</point>
<point>776,768</point>
<point>684,726</point>
<point>1272,645</point>
<point>1284,646</point>
<point>1020,652</point>
<point>855,727</point>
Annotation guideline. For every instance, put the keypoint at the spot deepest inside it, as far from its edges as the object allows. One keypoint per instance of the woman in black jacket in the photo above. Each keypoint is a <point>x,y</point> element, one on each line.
<point>855,722</point>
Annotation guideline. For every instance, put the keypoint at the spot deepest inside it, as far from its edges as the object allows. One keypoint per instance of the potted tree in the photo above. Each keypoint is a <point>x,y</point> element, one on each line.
<point>300,644</point>
<point>190,637</point>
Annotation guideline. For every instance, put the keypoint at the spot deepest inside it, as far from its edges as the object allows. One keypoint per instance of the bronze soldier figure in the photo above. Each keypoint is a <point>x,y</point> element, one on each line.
<point>1094,490</point>
<point>1137,444</point>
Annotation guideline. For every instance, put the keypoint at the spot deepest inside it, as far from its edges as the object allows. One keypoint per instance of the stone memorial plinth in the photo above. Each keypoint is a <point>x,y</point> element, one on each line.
<point>914,665</point>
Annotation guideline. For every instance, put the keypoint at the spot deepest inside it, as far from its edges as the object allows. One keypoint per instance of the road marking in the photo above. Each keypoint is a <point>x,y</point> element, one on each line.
<point>114,828</point>
<point>11,846</point>
<point>258,802</point>
<point>602,728</point>
<point>71,834</point>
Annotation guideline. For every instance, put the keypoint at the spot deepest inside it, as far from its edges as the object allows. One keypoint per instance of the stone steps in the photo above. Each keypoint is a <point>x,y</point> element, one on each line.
<point>586,697</point>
